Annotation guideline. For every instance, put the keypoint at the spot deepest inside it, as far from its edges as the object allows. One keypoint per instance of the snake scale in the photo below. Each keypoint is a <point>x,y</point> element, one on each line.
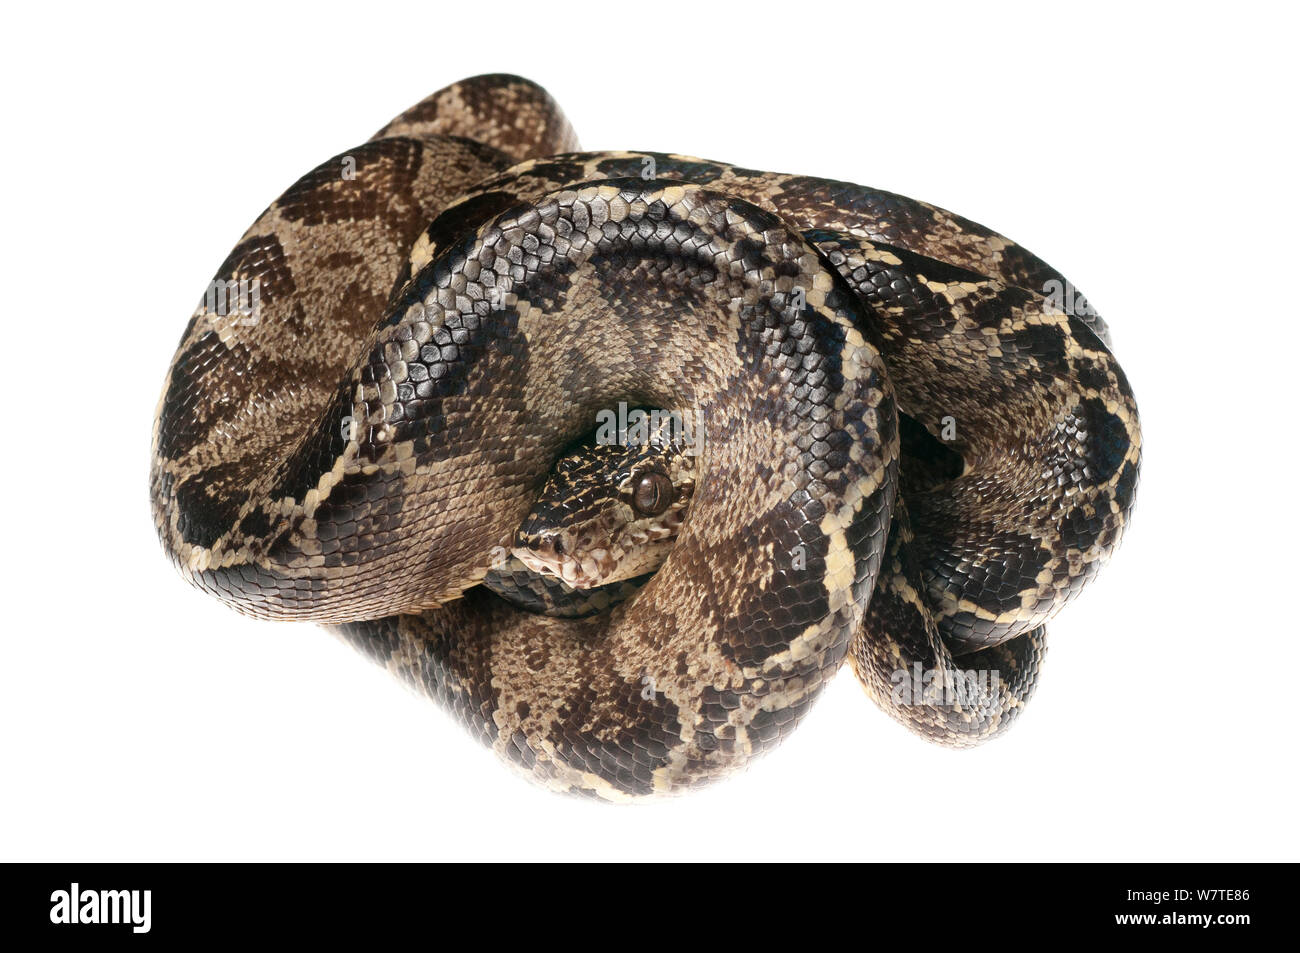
<point>907,453</point>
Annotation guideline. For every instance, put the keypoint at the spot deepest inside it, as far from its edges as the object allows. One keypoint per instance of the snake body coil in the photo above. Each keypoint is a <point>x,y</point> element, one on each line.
<point>908,455</point>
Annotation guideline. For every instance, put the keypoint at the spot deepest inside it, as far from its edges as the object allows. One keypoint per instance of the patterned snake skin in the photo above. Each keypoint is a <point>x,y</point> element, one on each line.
<point>910,453</point>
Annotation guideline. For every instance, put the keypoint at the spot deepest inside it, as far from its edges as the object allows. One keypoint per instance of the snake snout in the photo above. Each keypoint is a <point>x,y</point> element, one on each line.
<point>550,555</point>
<point>545,546</point>
<point>541,551</point>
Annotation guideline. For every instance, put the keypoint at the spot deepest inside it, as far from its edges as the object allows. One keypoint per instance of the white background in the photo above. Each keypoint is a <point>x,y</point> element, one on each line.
<point>1150,155</point>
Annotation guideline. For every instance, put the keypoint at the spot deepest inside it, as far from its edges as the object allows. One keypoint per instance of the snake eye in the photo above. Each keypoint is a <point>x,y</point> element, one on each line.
<point>652,494</point>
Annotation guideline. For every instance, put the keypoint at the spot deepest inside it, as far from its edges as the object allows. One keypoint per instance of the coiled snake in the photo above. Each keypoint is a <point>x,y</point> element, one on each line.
<point>907,450</point>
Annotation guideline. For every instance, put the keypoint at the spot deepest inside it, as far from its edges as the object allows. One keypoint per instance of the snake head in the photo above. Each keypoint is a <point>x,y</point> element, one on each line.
<point>607,513</point>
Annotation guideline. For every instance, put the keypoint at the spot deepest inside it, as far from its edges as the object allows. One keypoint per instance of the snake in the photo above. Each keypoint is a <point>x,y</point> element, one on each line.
<point>880,434</point>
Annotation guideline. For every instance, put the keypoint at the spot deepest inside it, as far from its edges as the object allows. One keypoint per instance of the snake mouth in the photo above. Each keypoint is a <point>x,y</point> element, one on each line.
<point>585,569</point>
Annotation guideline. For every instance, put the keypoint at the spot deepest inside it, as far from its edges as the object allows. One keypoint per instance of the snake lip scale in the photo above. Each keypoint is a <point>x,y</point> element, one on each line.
<point>910,452</point>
